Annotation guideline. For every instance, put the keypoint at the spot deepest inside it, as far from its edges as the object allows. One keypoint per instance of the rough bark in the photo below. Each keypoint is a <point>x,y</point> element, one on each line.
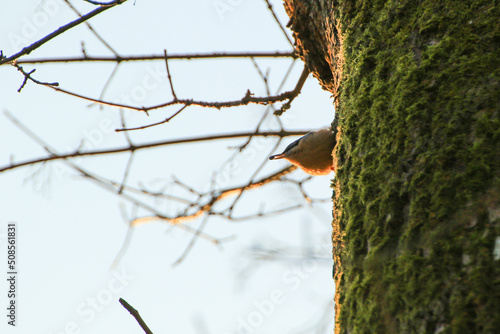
<point>417,190</point>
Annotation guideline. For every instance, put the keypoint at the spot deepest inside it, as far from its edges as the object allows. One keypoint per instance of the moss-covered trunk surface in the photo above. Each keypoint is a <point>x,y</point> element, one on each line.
<point>416,207</point>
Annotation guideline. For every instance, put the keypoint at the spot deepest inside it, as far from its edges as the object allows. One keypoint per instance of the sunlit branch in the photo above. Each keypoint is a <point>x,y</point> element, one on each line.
<point>214,198</point>
<point>132,148</point>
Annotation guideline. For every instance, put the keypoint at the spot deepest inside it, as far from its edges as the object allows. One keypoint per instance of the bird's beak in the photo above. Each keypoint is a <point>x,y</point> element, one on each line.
<point>277,156</point>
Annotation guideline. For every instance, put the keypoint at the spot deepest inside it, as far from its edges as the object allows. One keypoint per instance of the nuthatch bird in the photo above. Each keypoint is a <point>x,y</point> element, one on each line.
<point>312,153</point>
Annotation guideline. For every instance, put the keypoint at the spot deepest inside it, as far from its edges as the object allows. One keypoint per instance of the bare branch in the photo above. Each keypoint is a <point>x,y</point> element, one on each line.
<point>61,30</point>
<point>247,99</point>
<point>136,315</point>
<point>130,159</point>
<point>263,76</point>
<point>155,194</point>
<point>166,120</point>
<point>187,56</point>
<point>186,187</point>
<point>132,148</point>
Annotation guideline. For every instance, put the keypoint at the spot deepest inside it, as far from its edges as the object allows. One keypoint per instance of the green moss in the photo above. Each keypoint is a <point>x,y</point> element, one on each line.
<point>419,154</point>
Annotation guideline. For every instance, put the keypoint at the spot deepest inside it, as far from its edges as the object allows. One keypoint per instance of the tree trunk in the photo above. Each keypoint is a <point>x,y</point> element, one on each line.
<point>416,226</point>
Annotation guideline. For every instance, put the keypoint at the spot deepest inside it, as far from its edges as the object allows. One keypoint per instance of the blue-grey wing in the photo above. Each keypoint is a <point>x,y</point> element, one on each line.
<point>295,143</point>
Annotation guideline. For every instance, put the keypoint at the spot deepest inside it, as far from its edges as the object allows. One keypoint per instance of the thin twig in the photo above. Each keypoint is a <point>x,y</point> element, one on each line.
<point>245,100</point>
<point>122,119</point>
<point>127,171</point>
<point>278,22</point>
<point>123,249</point>
<point>130,159</point>
<point>154,194</point>
<point>136,315</point>
<point>27,76</point>
<point>294,93</point>
<point>169,76</point>
<point>166,120</point>
<point>99,37</point>
<point>108,81</point>
<point>260,214</point>
<point>192,241</point>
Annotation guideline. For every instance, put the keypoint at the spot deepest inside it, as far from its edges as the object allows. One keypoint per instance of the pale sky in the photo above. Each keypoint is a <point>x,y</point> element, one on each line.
<point>69,230</point>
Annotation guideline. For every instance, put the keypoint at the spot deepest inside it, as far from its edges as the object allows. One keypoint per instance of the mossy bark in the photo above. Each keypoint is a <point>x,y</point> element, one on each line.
<point>417,188</point>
